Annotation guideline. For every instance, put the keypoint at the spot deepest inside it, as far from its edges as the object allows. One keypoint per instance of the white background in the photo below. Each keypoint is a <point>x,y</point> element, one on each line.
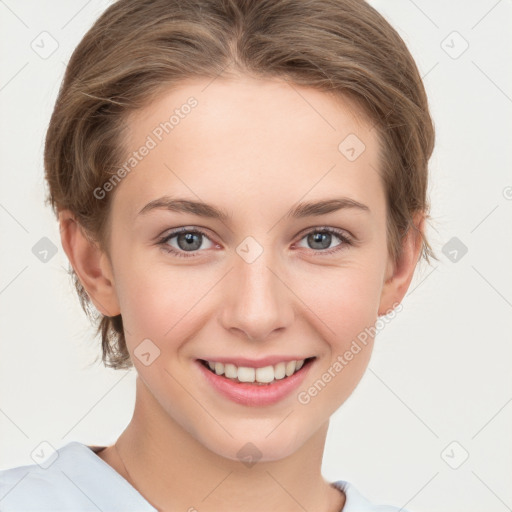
<point>440,371</point>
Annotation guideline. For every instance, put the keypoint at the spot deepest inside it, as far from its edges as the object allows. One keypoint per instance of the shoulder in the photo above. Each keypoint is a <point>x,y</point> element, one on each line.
<point>356,502</point>
<point>28,488</point>
<point>73,478</point>
<point>24,487</point>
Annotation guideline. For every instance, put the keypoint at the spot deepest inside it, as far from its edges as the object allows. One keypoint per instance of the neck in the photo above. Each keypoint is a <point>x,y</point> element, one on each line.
<point>173,471</point>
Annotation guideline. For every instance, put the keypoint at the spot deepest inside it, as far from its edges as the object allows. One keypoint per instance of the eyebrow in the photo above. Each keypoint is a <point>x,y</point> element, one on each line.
<point>298,211</point>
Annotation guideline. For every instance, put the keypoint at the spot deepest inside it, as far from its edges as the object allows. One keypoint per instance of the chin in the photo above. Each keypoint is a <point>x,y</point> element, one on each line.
<point>253,444</point>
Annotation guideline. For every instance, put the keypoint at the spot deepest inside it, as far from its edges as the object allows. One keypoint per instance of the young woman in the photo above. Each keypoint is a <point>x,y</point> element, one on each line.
<point>241,187</point>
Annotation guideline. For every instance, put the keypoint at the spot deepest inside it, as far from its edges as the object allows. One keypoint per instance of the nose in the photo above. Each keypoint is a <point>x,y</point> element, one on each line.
<point>257,301</point>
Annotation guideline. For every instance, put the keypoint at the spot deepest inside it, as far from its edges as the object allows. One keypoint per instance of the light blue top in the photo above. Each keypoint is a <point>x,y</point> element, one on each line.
<point>78,480</point>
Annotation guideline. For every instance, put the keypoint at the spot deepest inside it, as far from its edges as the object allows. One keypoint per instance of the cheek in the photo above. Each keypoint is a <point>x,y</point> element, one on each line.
<point>157,299</point>
<point>343,308</point>
<point>341,302</point>
<point>355,310</point>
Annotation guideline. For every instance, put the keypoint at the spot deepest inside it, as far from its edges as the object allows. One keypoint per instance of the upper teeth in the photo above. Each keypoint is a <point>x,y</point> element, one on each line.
<point>262,375</point>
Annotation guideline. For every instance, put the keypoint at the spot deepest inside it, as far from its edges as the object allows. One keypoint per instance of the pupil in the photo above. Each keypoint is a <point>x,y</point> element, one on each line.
<point>324,239</point>
<point>189,239</point>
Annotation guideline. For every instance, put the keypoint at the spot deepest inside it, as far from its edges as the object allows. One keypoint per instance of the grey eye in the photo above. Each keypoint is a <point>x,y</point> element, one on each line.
<point>320,240</point>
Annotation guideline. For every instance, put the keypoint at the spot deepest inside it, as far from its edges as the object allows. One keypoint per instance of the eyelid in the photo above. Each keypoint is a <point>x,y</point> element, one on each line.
<point>175,231</point>
<point>330,229</point>
<point>207,233</point>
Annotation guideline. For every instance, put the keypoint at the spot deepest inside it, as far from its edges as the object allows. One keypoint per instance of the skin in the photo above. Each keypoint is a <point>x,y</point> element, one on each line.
<point>254,148</point>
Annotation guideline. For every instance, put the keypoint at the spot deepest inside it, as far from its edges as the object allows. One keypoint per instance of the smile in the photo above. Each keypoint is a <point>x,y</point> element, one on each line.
<point>262,375</point>
<point>255,385</point>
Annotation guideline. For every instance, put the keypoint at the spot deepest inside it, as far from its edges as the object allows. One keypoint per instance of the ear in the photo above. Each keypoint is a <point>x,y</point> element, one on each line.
<point>400,273</point>
<point>91,265</point>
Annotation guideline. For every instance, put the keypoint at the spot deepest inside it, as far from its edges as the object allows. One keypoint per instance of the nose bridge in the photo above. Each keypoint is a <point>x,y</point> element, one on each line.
<point>257,301</point>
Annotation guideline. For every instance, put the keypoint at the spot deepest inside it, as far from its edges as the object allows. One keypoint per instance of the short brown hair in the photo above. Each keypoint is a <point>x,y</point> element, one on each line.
<point>138,49</point>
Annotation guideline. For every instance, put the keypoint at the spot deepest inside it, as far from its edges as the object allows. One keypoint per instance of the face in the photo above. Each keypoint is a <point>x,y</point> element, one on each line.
<point>260,278</point>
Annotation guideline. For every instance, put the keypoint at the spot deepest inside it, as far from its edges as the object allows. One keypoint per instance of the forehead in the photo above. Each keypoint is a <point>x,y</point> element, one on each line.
<point>250,143</point>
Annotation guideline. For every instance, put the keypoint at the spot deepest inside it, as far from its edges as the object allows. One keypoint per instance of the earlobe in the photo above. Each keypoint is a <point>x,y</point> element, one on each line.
<point>90,264</point>
<point>399,274</point>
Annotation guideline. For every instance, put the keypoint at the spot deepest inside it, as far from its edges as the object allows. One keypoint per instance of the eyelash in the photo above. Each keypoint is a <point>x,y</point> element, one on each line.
<point>346,241</point>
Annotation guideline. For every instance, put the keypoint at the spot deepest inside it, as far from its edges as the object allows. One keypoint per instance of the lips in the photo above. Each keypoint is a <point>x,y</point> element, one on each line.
<point>247,388</point>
